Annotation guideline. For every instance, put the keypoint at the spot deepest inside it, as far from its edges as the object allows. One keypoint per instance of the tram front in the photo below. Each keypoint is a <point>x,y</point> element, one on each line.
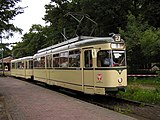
<point>111,71</point>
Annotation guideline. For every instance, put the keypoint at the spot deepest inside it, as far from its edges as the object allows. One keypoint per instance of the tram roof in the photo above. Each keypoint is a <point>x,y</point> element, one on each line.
<point>75,43</point>
<point>23,58</point>
<point>80,40</point>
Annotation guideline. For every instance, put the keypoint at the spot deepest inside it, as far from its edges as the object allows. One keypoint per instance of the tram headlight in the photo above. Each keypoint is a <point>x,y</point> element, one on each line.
<point>120,80</point>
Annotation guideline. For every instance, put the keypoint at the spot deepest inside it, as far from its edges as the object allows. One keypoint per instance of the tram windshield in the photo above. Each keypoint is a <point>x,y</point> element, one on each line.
<point>108,58</point>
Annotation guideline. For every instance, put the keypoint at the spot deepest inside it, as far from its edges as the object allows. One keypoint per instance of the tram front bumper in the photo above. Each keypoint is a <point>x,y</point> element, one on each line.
<point>115,89</point>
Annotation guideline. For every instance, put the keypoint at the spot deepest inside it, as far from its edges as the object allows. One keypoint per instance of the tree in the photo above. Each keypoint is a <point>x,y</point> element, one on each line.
<point>142,41</point>
<point>109,15</point>
<point>33,41</point>
<point>8,11</point>
<point>151,11</point>
<point>150,42</point>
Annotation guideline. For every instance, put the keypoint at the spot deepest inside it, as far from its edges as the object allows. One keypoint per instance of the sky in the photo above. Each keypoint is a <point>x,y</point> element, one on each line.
<point>33,14</point>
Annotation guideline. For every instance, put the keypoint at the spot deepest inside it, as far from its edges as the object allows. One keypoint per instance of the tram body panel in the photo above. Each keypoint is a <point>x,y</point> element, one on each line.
<point>29,73</point>
<point>101,81</point>
<point>110,78</point>
<point>48,72</point>
<point>67,78</point>
<point>29,68</point>
<point>21,73</point>
<point>40,74</point>
<point>88,77</point>
<point>88,81</point>
<point>13,72</point>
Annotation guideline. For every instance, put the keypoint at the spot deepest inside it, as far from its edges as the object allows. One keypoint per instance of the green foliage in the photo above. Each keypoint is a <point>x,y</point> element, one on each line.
<point>132,34</point>
<point>153,81</point>
<point>150,42</point>
<point>143,89</point>
<point>8,11</point>
<point>142,41</point>
<point>33,41</point>
<point>129,16</point>
<point>142,95</point>
<point>150,9</point>
<point>107,13</point>
<point>6,51</point>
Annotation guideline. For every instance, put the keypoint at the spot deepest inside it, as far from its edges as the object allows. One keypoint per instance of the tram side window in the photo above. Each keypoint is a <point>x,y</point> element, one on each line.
<point>26,66</point>
<point>42,62</point>
<point>104,59</point>
<point>16,65</point>
<point>88,58</point>
<point>74,58</point>
<point>49,61</point>
<point>64,59</point>
<point>30,64</point>
<point>13,66</point>
<point>37,62</point>
<point>55,60</point>
<point>20,65</point>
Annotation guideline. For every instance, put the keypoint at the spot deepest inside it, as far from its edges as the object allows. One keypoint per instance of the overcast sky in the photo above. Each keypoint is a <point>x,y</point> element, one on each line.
<point>33,14</point>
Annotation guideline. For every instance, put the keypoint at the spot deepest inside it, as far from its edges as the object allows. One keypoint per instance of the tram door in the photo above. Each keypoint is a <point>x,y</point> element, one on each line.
<point>88,71</point>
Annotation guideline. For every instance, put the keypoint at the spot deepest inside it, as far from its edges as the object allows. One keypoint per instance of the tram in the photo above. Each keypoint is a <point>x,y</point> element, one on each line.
<point>22,67</point>
<point>92,65</point>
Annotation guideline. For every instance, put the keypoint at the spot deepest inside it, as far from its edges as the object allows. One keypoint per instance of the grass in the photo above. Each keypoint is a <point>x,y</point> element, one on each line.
<point>155,81</point>
<point>143,90</point>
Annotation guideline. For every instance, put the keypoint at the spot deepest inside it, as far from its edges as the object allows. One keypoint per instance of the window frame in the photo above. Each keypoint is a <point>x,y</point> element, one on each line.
<point>74,58</point>
<point>55,60</point>
<point>88,59</point>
